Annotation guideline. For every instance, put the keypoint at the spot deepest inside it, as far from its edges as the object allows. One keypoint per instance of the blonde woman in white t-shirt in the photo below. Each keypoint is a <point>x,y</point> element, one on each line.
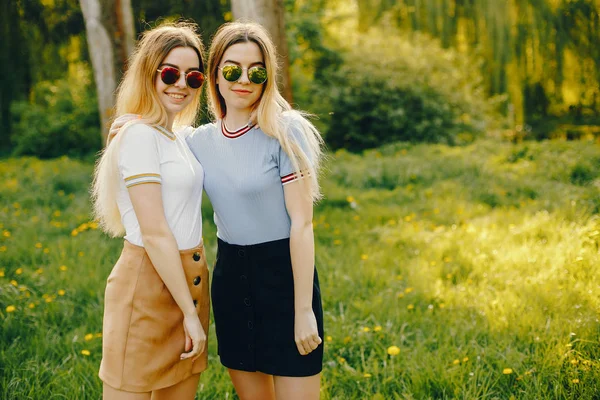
<point>148,188</point>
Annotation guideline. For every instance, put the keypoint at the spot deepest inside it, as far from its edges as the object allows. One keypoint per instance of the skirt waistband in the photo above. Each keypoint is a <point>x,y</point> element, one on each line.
<point>135,248</point>
<point>273,247</point>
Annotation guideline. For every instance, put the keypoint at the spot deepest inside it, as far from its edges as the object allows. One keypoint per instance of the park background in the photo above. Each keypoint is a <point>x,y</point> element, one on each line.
<point>458,240</point>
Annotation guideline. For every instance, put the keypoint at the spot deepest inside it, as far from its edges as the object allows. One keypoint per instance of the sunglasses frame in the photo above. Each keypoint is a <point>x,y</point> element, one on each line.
<point>257,67</point>
<point>160,70</point>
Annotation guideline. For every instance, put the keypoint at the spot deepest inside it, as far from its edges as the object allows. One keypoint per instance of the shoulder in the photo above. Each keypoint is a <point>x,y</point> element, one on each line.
<point>202,131</point>
<point>142,133</point>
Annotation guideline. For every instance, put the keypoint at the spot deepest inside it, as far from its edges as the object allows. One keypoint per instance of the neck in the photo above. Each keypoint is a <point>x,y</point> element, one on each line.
<point>169,124</point>
<point>236,118</point>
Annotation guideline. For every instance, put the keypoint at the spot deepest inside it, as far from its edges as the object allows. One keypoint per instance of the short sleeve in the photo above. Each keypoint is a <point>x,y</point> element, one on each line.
<point>139,158</point>
<point>286,168</point>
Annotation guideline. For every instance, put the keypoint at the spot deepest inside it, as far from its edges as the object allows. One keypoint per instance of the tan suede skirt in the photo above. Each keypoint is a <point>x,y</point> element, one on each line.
<point>142,335</point>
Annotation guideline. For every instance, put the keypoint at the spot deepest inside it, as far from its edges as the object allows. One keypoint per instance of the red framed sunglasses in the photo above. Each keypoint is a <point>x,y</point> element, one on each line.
<point>170,75</point>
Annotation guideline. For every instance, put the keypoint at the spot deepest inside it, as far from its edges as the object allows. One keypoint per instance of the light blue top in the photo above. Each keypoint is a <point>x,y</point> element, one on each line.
<point>243,177</point>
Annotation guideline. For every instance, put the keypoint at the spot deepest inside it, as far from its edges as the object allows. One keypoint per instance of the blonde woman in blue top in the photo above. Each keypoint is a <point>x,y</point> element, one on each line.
<point>261,161</point>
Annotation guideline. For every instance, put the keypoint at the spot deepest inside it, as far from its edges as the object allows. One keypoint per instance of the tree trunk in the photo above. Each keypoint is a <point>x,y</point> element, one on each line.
<point>271,15</point>
<point>110,37</point>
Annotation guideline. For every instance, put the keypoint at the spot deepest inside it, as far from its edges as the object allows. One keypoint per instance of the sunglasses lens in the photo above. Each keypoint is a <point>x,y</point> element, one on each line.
<point>169,75</point>
<point>194,79</point>
<point>232,73</point>
<point>257,75</point>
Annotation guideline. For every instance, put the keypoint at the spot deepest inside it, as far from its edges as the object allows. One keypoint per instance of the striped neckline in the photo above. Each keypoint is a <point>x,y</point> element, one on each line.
<point>165,131</point>
<point>237,133</point>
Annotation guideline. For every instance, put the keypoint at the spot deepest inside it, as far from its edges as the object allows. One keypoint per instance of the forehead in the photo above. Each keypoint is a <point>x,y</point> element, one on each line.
<point>244,53</point>
<point>182,57</point>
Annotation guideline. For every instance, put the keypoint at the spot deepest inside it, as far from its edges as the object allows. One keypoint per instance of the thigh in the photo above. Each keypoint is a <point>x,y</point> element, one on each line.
<point>110,393</point>
<point>252,385</point>
<point>183,390</point>
<point>297,388</point>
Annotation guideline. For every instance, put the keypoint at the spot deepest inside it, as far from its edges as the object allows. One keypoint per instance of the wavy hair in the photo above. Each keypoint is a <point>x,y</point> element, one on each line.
<point>137,94</point>
<point>272,112</point>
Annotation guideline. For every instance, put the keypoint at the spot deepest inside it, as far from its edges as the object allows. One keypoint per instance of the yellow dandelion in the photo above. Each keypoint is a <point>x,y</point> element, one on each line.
<point>74,232</point>
<point>574,362</point>
<point>31,305</point>
<point>39,271</point>
<point>393,350</point>
<point>447,259</point>
<point>19,271</point>
<point>408,290</point>
<point>465,359</point>
<point>14,283</point>
<point>98,335</point>
<point>3,249</point>
<point>63,268</point>
<point>93,225</point>
<point>507,371</point>
<point>46,250</point>
<point>432,263</point>
<point>81,254</point>
<point>45,296</point>
<point>575,380</point>
<point>48,299</point>
<point>89,337</point>
<point>337,242</point>
<point>341,360</point>
<point>61,292</point>
<point>85,352</point>
<point>377,328</point>
<point>366,329</point>
<point>56,213</point>
<point>16,205</point>
<point>367,375</point>
<point>442,305</point>
<point>6,234</point>
<point>364,257</point>
<point>400,295</point>
<point>10,309</point>
<point>38,245</point>
<point>349,199</point>
<point>1,274</point>
<point>22,288</point>
<point>328,338</point>
<point>407,218</point>
<point>347,339</point>
<point>456,362</point>
<point>410,306</point>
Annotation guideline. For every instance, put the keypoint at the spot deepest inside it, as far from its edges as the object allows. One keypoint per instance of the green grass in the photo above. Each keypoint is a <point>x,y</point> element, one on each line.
<point>474,261</point>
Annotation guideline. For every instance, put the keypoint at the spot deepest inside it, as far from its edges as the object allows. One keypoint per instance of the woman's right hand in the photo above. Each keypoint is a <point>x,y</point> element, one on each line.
<point>195,337</point>
<point>118,123</point>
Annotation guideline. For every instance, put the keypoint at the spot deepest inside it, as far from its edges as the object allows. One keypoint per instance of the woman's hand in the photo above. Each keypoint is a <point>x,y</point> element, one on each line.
<point>195,337</point>
<point>118,123</point>
<point>306,332</point>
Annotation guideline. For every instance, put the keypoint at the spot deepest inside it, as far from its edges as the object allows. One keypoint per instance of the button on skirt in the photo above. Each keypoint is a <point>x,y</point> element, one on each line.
<point>253,306</point>
<point>143,335</point>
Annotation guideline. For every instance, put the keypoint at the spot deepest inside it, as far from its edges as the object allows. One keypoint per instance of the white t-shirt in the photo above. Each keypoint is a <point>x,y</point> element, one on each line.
<point>153,155</point>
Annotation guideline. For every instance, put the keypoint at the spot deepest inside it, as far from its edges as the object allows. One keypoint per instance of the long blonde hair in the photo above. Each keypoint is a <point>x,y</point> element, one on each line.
<point>273,114</point>
<point>137,95</point>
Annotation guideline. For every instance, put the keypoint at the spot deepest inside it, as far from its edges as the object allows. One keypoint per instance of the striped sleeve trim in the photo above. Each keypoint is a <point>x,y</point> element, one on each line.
<point>289,178</point>
<point>142,178</point>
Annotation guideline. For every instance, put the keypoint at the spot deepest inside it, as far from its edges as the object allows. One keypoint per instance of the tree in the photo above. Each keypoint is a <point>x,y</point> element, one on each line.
<point>271,15</point>
<point>110,37</point>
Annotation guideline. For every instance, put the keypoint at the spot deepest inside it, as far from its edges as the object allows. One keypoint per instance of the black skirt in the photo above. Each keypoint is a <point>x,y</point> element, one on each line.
<point>253,305</point>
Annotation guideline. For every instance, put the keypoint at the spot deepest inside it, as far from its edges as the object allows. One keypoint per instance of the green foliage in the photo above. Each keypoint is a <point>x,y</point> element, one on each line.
<point>61,119</point>
<point>417,93</point>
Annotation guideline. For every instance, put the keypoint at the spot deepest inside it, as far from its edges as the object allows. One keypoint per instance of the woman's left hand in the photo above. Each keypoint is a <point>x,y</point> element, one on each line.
<point>306,332</point>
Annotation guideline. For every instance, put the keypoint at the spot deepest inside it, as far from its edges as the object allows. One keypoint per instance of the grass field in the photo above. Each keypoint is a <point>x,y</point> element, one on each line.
<point>447,273</point>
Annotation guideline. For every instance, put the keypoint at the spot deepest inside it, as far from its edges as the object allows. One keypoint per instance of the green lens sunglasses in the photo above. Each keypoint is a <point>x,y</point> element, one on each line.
<point>232,73</point>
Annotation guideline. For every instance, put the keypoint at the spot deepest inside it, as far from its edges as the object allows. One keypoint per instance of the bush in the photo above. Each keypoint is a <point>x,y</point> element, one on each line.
<point>61,118</point>
<point>399,88</point>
